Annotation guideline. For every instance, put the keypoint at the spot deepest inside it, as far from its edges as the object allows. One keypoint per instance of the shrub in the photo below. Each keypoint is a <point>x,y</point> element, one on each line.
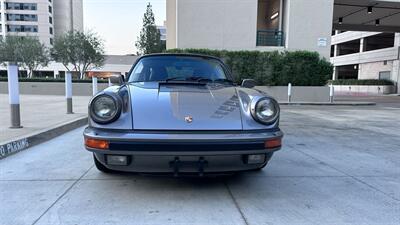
<point>52,80</point>
<point>301,68</point>
<point>360,82</point>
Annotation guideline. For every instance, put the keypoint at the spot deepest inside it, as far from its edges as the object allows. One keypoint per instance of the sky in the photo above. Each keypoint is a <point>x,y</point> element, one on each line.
<point>118,22</point>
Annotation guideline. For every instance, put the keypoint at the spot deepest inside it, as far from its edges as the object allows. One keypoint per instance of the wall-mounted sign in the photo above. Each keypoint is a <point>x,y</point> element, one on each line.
<point>322,42</point>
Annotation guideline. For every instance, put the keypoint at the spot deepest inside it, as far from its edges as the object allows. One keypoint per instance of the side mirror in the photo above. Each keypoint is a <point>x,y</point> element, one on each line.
<point>248,83</point>
<point>117,80</point>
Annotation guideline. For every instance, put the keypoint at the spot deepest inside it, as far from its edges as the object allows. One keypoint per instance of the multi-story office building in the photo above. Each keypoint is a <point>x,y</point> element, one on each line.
<point>365,55</point>
<point>40,18</point>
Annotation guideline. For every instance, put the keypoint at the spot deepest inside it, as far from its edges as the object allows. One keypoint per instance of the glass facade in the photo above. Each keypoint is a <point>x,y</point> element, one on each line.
<point>21,6</point>
<point>22,28</point>
<point>22,17</point>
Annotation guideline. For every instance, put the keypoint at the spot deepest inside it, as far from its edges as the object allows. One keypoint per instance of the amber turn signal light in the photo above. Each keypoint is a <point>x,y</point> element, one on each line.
<point>95,143</point>
<point>273,143</point>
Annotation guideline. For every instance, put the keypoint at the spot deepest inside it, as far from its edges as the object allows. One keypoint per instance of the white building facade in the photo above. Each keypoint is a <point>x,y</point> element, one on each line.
<point>40,18</point>
<point>264,25</point>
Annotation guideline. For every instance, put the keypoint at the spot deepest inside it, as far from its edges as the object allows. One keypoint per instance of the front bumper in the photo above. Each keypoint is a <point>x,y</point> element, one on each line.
<point>153,151</point>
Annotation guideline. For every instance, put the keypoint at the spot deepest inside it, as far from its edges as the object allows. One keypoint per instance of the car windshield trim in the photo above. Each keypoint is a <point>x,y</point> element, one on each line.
<point>183,68</point>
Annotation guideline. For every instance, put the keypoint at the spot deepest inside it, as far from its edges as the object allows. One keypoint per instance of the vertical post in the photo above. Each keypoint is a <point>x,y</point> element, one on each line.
<point>13,95</point>
<point>109,82</point>
<point>94,85</point>
<point>331,93</point>
<point>68,91</point>
<point>56,74</point>
<point>289,92</point>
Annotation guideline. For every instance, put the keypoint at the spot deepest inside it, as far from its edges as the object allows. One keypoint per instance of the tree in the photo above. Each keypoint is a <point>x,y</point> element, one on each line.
<point>149,39</point>
<point>26,52</point>
<point>79,51</point>
<point>35,54</point>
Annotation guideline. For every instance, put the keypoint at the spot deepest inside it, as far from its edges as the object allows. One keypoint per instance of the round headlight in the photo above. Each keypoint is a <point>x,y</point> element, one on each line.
<point>265,110</point>
<point>105,108</point>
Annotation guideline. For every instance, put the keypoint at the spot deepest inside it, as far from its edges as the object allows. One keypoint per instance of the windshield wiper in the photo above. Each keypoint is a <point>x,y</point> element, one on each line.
<point>174,78</point>
<point>224,80</point>
<point>199,79</point>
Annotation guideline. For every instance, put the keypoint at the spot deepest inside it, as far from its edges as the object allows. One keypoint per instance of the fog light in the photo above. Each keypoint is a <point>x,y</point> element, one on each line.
<point>255,159</point>
<point>117,160</point>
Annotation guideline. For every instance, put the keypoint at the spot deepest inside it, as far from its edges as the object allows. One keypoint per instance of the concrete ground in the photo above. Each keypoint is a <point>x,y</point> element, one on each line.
<point>339,165</point>
<point>35,114</point>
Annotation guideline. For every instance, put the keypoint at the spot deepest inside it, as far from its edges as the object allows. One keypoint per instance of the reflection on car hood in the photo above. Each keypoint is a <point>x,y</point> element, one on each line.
<point>185,107</point>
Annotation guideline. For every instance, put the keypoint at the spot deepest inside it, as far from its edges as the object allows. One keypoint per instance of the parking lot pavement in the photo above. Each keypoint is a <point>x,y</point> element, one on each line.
<point>339,165</point>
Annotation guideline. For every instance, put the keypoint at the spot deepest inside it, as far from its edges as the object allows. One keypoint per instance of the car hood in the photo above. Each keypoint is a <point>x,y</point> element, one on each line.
<point>185,107</point>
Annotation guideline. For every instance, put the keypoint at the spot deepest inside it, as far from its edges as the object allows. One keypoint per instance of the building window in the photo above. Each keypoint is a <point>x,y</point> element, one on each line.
<point>50,9</point>
<point>51,41</point>
<point>22,17</point>
<point>384,75</point>
<point>385,62</point>
<point>21,6</point>
<point>50,20</point>
<point>22,28</point>
<point>51,30</point>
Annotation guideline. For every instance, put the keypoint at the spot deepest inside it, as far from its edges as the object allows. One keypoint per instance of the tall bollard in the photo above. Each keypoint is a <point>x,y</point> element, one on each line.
<point>331,93</point>
<point>13,95</point>
<point>289,92</point>
<point>94,85</point>
<point>109,82</point>
<point>68,91</point>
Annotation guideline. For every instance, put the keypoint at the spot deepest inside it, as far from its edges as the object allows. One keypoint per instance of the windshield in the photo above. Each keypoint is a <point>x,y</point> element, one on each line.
<point>180,68</point>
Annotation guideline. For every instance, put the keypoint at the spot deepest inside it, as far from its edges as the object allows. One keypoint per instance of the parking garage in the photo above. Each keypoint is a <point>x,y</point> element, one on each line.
<point>366,39</point>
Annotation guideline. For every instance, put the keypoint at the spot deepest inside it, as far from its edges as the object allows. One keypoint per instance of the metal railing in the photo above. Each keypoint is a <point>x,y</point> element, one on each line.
<point>270,38</point>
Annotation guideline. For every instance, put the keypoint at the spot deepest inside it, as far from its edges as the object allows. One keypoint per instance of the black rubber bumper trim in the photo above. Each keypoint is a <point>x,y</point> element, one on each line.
<point>185,146</point>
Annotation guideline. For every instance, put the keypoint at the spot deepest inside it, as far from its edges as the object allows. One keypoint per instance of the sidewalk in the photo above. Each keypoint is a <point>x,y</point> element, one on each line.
<point>39,113</point>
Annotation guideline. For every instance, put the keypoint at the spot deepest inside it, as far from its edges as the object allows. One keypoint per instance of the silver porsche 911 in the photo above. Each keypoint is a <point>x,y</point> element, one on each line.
<point>182,113</point>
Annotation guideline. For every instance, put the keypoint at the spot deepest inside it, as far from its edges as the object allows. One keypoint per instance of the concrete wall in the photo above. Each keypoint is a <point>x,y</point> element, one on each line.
<point>48,88</point>
<point>306,22</point>
<point>299,93</point>
<point>68,15</point>
<point>371,70</point>
<point>363,90</point>
<point>171,23</point>
<point>216,24</point>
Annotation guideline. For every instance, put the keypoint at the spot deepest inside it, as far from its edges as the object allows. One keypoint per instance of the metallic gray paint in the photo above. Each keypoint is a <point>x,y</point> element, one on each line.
<point>165,106</point>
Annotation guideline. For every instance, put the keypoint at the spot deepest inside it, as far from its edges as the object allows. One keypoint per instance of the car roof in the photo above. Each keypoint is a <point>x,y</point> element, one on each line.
<point>180,54</point>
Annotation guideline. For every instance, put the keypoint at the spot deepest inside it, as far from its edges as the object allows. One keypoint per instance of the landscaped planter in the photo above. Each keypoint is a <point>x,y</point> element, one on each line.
<point>364,90</point>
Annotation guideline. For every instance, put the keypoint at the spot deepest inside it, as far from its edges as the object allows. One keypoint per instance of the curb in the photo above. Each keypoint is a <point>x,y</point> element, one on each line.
<point>330,104</point>
<point>22,143</point>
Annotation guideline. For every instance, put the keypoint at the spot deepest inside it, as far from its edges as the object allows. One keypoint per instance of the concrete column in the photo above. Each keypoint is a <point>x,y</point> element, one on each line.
<point>280,15</point>
<point>335,73</point>
<point>68,91</point>
<point>362,47</point>
<point>3,18</point>
<point>94,85</point>
<point>13,95</point>
<point>396,63</point>
<point>56,74</point>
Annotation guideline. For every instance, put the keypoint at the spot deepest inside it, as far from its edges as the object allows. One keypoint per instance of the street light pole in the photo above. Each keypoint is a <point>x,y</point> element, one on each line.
<point>13,94</point>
